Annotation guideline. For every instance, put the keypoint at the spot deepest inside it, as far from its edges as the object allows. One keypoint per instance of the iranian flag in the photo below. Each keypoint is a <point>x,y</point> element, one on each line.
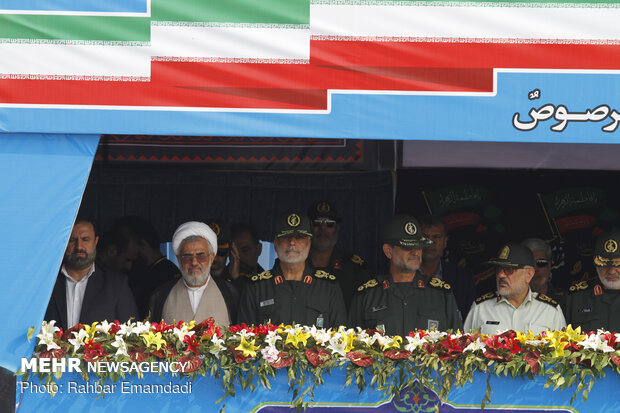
<point>284,54</point>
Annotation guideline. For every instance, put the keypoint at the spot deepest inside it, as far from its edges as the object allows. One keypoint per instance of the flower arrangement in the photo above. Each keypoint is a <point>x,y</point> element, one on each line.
<point>242,356</point>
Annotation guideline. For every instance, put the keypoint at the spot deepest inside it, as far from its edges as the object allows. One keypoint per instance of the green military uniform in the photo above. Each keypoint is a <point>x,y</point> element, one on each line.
<point>591,305</point>
<point>350,271</point>
<point>316,300</point>
<point>398,308</point>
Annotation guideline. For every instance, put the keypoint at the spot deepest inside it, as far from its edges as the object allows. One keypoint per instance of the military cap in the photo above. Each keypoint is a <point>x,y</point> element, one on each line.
<point>323,209</point>
<point>513,255</point>
<point>404,231</point>
<point>290,223</point>
<point>607,251</point>
<point>223,235</point>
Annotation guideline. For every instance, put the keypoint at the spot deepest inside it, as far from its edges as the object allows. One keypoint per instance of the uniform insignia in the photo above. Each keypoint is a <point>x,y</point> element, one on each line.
<point>504,254</point>
<point>585,310</point>
<point>485,297</point>
<point>323,207</point>
<point>437,283</point>
<point>546,299</point>
<point>582,285</point>
<point>598,290</point>
<point>278,280</point>
<point>433,325</point>
<point>265,275</point>
<point>337,265</point>
<point>420,284</point>
<point>492,322</point>
<point>410,228</point>
<point>356,259</point>
<point>611,246</point>
<point>293,220</point>
<point>308,279</point>
<point>378,308</point>
<point>368,284</point>
<point>386,284</point>
<point>324,274</point>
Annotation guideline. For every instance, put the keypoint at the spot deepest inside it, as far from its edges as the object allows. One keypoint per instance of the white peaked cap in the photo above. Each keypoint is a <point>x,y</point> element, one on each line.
<point>194,228</point>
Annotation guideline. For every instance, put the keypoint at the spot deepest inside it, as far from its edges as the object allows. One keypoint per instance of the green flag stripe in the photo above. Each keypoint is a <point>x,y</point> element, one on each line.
<point>85,28</point>
<point>233,11</point>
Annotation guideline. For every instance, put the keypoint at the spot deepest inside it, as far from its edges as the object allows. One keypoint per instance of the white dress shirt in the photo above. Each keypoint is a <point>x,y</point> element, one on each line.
<point>75,295</point>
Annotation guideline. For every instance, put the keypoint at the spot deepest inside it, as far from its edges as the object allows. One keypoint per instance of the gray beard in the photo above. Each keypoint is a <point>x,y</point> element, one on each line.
<point>196,280</point>
<point>77,263</point>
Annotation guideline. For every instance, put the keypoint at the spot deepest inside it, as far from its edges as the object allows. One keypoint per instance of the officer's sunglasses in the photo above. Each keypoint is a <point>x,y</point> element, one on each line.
<point>542,263</point>
<point>329,223</point>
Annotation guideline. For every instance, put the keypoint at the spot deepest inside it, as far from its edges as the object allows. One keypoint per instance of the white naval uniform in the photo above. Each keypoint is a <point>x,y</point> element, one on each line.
<point>492,314</point>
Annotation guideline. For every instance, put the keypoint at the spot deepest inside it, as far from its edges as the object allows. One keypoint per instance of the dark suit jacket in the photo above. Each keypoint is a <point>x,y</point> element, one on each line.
<point>228,290</point>
<point>107,297</point>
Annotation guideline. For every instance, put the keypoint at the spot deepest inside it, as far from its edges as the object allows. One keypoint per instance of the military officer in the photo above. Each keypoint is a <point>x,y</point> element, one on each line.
<point>349,269</point>
<point>404,300</point>
<point>594,305</point>
<point>514,306</point>
<point>292,291</point>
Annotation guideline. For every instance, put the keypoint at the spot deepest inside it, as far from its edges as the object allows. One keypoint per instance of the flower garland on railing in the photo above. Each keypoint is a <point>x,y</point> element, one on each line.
<point>242,356</point>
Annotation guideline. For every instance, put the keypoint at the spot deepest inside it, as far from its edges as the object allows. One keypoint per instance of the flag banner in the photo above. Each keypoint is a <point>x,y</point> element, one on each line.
<point>442,70</point>
<point>241,152</point>
<point>169,394</point>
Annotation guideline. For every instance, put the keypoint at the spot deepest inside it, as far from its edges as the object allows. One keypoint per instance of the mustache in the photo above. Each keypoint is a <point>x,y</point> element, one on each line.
<point>292,249</point>
<point>79,252</point>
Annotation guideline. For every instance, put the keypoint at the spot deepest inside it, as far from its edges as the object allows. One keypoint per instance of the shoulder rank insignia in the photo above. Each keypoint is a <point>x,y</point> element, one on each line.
<point>324,274</point>
<point>368,284</point>
<point>485,297</point>
<point>356,259</point>
<point>582,285</point>
<point>265,275</point>
<point>278,280</point>
<point>308,279</point>
<point>546,299</point>
<point>437,283</point>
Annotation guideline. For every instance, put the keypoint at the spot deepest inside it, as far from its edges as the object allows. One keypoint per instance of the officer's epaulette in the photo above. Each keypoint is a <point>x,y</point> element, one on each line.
<point>439,284</point>
<point>578,286</point>
<point>485,297</point>
<point>324,274</point>
<point>546,299</point>
<point>265,275</point>
<point>356,259</point>
<point>368,284</point>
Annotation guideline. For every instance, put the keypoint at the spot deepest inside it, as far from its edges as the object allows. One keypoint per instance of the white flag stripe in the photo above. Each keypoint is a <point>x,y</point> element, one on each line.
<point>80,60</point>
<point>230,42</point>
<point>465,22</point>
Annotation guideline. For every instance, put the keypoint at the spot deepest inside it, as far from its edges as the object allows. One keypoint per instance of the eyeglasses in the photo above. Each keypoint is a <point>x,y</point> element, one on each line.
<point>506,270</point>
<point>201,257</point>
<point>330,223</point>
<point>542,263</point>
